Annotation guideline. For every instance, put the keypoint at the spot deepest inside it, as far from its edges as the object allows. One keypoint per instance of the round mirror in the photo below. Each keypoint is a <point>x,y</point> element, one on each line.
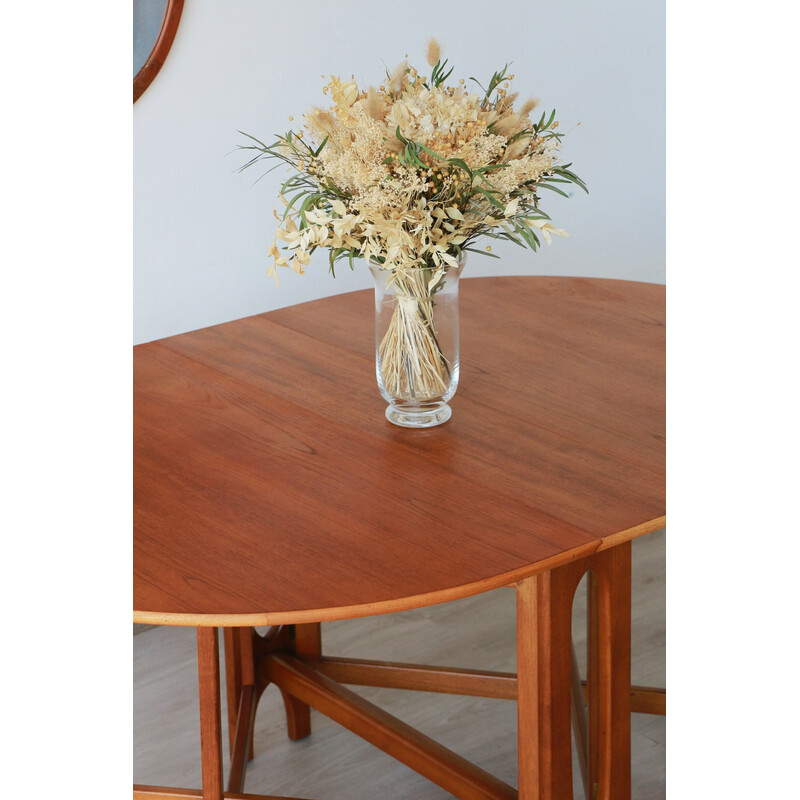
<point>154,26</point>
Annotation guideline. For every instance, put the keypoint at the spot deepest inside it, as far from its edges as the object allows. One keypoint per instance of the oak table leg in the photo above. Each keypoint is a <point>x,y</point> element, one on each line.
<point>210,712</point>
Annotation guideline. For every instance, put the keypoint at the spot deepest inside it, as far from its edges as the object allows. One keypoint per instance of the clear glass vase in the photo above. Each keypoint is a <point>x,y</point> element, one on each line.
<point>416,343</point>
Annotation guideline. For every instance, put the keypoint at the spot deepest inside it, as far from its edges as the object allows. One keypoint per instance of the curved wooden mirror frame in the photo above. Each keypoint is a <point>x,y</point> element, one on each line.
<point>158,54</point>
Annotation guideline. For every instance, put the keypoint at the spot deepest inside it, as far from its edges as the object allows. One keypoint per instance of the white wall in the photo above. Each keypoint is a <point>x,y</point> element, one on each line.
<point>201,229</point>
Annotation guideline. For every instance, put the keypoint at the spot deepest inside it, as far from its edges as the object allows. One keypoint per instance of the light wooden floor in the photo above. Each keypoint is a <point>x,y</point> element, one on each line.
<point>333,764</point>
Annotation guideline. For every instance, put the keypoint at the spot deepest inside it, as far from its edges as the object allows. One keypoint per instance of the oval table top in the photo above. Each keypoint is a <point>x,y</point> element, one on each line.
<point>269,488</point>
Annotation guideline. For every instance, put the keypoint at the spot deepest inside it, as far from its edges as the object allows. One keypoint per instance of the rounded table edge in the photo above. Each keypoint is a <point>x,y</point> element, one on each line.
<point>303,616</point>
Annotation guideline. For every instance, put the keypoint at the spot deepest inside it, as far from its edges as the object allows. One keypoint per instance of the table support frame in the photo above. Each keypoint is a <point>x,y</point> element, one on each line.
<point>550,695</point>
<point>547,684</point>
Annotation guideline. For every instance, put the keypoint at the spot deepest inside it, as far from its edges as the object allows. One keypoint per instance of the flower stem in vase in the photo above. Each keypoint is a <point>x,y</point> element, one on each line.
<point>413,364</point>
<point>416,342</point>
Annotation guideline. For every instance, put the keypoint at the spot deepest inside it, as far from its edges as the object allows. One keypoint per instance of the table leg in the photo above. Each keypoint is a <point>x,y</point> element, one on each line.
<point>239,672</point>
<point>580,725</point>
<point>210,712</point>
<point>307,646</point>
<point>609,673</point>
<point>233,679</point>
<point>592,678</point>
<point>544,654</point>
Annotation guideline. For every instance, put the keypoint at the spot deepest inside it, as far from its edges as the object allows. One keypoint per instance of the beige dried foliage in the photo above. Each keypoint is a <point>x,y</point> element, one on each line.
<point>393,144</point>
<point>321,122</point>
<point>398,77</point>
<point>421,212</point>
<point>374,105</point>
<point>508,125</point>
<point>516,148</point>
<point>465,165</point>
<point>510,100</point>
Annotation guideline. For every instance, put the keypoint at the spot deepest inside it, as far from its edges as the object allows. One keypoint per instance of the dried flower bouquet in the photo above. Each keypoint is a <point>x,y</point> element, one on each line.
<point>409,176</point>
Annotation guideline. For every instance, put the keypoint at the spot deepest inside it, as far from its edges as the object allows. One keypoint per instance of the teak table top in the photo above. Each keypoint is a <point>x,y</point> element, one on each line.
<point>269,488</point>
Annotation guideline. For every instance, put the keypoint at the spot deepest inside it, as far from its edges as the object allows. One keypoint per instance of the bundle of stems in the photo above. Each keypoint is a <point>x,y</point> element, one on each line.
<point>413,366</point>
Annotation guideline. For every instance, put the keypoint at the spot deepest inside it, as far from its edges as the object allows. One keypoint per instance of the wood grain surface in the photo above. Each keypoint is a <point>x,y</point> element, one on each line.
<point>269,487</point>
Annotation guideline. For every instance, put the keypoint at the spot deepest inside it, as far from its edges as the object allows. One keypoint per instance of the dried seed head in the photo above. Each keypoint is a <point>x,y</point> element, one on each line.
<point>323,120</point>
<point>373,104</point>
<point>516,149</point>
<point>507,125</point>
<point>528,106</point>
<point>434,52</point>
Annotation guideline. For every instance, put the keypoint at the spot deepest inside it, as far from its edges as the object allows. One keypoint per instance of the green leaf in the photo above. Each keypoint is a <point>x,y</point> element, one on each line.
<point>553,189</point>
<point>319,149</point>
<point>571,176</point>
<point>412,158</point>
<point>431,153</point>
<point>491,198</point>
<point>527,234</point>
<point>490,167</point>
<point>444,77</point>
<point>536,214</point>
<point>258,141</point>
<point>507,235</point>
<point>496,80</point>
<point>481,252</point>
<point>290,183</point>
<point>291,203</point>
<point>438,75</point>
<point>460,164</point>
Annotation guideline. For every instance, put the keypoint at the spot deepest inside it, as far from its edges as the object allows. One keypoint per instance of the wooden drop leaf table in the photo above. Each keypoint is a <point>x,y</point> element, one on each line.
<point>270,490</point>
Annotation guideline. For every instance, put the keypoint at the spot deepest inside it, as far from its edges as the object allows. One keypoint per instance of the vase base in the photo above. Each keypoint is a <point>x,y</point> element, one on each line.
<point>418,417</point>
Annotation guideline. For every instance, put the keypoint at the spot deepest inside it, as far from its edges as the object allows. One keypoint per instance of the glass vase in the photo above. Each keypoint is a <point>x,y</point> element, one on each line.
<point>416,342</point>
